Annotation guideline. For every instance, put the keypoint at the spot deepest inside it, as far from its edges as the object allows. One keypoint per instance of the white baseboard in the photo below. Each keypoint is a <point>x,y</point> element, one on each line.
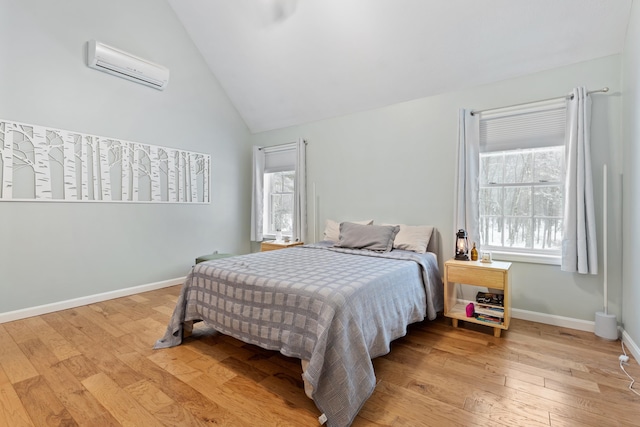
<point>10,316</point>
<point>551,319</point>
<point>631,346</point>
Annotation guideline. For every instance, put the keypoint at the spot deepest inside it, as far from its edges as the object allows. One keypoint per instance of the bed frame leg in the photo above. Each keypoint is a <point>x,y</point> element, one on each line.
<point>454,323</point>
<point>187,329</point>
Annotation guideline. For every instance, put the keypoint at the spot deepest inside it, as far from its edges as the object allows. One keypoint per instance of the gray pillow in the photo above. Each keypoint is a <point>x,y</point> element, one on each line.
<point>371,237</point>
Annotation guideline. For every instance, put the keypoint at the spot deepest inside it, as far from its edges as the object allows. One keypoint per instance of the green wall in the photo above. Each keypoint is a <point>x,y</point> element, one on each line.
<point>55,251</point>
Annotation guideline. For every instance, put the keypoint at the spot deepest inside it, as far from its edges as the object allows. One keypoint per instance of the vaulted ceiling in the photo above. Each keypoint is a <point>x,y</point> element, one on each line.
<point>287,62</point>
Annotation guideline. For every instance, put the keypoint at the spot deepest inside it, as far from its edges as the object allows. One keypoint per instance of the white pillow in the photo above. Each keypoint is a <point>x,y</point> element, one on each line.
<point>332,229</point>
<point>413,237</point>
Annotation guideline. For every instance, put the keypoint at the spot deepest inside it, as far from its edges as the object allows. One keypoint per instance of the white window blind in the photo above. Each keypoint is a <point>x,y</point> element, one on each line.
<point>535,127</point>
<point>280,159</point>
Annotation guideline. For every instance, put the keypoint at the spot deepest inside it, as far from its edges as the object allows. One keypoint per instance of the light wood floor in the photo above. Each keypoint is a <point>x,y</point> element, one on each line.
<point>94,366</point>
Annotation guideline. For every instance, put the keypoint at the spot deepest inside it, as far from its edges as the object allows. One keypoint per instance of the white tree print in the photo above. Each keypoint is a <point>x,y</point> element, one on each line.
<point>193,184</point>
<point>163,173</point>
<point>154,165</point>
<point>144,172</point>
<point>41,166</point>
<point>205,178</point>
<point>135,174</point>
<point>114,157</point>
<point>126,171</point>
<point>172,194</point>
<point>103,146</point>
<point>40,163</point>
<point>181,178</point>
<point>6,157</point>
<point>23,157</point>
<point>83,159</point>
<point>69,166</point>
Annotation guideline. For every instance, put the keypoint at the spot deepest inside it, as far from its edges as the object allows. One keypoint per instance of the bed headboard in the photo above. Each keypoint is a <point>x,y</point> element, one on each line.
<point>435,246</point>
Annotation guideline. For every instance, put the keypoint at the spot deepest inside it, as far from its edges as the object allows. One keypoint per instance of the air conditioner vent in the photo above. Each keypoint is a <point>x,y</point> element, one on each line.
<point>122,64</point>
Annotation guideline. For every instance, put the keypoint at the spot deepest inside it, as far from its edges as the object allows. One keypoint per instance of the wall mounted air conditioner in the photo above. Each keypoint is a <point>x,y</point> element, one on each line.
<point>122,64</point>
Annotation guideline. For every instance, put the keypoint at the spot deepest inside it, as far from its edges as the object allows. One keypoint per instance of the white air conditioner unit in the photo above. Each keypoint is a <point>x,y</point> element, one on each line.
<point>122,64</point>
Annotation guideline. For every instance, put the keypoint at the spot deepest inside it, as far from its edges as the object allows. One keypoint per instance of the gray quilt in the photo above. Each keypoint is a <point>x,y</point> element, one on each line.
<point>336,308</point>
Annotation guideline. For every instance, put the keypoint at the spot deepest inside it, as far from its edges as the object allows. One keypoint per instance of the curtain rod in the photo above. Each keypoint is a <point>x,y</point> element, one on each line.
<point>570,96</point>
<point>281,146</point>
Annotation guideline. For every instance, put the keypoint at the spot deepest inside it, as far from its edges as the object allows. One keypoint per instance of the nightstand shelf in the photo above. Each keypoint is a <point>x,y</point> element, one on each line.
<point>495,275</point>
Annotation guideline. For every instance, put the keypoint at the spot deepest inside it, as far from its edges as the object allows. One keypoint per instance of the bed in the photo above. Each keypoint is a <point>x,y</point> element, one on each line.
<point>334,308</point>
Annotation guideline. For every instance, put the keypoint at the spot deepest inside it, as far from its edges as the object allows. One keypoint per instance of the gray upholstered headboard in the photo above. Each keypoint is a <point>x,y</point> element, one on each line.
<point>435,246</point>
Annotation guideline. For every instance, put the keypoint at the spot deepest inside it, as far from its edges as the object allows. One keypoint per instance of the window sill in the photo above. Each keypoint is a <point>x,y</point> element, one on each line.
<point>528,258</point>
<point>273,236</point>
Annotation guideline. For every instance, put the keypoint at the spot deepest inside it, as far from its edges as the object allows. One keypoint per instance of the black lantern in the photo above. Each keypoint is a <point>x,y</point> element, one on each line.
<point>462,246</point>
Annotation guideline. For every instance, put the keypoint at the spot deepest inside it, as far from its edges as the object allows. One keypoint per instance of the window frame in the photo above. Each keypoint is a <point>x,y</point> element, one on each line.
<point>267,213</point>
<point>520,141</point>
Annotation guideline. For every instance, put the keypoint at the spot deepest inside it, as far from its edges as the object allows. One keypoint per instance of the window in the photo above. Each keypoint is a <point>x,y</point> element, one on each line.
<point>521,181</point>
<point>278,203</point>
<point>278,190</point>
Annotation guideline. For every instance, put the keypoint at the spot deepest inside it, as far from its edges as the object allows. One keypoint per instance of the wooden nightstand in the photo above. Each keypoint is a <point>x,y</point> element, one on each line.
<point>494,275</point>
<point>272,245</point>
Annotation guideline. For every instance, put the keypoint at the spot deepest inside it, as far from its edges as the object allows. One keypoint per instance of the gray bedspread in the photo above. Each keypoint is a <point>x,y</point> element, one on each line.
<point>336,308</point>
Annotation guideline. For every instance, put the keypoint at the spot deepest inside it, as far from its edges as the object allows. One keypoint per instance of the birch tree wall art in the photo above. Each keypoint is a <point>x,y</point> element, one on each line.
<point>43,164</point>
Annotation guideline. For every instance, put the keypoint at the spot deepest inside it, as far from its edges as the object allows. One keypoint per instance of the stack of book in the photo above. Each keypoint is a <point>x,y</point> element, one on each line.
<point>490,298</point>
<point>489,313</point>
<point>489,307</point>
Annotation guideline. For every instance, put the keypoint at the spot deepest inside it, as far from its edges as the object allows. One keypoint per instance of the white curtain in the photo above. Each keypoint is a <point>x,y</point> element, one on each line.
<point>300,194</point>
<point>466,214</point>
<point>579,250</point>
<point>257,188</point>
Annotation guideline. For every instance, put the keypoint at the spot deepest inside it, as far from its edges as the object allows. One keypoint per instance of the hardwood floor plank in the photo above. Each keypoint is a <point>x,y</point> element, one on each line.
<point>99,319</point>
<point>16,365</point>
<point>505,411</point>
<point>562,421</point>
<point>81,367</point>
<point>458,390</point>
<point>60,347</point>
<point>12,412</point>
<point>20,331</point>
<point>176,415</point>
<point>262,405</point>
<point>149,396</point>
<point>118,402</point>
<point>183,394</point>
<point>66,386</point>
<point>430,412</point>
<point>590,404</point>
<point>174,365</point>
<point>41,403</point>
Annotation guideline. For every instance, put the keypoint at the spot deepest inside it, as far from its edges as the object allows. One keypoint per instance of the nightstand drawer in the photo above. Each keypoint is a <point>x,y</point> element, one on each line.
<point>273,245</point>
<point>478,276</point>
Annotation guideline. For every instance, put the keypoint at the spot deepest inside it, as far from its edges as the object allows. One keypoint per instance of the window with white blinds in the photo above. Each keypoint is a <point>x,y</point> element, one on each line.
<point>280,158</point>
<point>521,182</point>
<point>279,176</point>
<point>531,127</point>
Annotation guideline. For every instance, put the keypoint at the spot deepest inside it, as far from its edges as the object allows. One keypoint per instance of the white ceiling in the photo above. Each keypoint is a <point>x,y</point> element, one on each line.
<point>287,62</point>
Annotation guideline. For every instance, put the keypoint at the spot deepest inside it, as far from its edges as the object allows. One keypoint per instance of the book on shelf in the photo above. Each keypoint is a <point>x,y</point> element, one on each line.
<point>490,298</point>
<point>497,312</point>
<point>489,319</point>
